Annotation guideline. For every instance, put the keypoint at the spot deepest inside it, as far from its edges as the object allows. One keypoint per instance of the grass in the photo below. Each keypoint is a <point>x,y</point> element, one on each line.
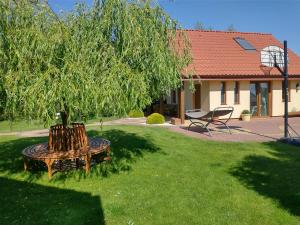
<point>23,125</point>
<point>19,125</point>
<point>157,177</point>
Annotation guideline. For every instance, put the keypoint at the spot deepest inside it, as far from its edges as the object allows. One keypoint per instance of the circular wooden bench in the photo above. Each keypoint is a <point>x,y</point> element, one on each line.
<point>67,144</point>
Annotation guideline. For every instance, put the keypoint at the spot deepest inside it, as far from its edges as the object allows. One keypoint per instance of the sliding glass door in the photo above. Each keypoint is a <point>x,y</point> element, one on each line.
<point>253,99</point>
<point>259,98</point>
<point>264,99</point>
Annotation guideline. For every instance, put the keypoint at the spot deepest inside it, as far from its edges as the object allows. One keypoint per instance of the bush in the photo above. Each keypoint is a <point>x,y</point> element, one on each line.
<point>136,114</point>
<point>246,111</point>
<point>155,118</point>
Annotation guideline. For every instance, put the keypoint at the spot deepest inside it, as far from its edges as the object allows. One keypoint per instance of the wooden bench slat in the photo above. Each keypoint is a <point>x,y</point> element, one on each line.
<point>67,143</point>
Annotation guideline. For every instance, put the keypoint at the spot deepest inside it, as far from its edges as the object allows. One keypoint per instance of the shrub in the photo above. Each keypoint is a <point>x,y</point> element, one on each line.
<point>246,111</point>
<point>136,114</point>
<point>155,118</point>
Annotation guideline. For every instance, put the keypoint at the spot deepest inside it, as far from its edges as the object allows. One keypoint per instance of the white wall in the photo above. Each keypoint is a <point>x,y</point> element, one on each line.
<point>278,104</point>
<point>189,96</point>
<point>215,96</point>
<point>244,103</point>
<point>205,95</point>
<point>211,97</point>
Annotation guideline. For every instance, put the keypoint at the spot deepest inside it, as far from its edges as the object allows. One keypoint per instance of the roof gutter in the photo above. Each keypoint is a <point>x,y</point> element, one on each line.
<point>241,77</point>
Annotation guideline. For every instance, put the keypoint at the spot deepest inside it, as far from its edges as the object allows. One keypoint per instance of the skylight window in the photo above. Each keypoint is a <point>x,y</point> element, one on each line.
<point>244,44</point>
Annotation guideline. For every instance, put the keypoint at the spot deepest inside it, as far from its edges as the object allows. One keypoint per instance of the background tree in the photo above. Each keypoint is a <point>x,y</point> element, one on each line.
<point>107,59</point>
<point>2,101</point>
<point>230,28</point>
<point>201,26</point>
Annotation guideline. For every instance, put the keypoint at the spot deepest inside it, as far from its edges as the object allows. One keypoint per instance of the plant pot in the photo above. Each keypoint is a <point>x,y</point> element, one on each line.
<point>246,117</point>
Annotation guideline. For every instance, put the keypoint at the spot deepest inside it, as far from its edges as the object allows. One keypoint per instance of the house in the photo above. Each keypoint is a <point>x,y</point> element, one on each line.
<point>228,71</point>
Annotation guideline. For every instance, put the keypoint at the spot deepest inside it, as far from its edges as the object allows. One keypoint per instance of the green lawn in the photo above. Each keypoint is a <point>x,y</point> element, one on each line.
<point>157,177</point>
<point>19,125</point>
<point>22,125</point>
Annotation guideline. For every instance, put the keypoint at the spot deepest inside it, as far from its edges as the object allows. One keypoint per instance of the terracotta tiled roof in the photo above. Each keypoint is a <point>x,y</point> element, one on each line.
<point>216,53</point>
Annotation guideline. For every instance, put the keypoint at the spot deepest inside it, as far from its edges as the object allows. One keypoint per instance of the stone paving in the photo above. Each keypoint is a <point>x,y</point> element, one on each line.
<point>45,132</point>
<point>258,129</point>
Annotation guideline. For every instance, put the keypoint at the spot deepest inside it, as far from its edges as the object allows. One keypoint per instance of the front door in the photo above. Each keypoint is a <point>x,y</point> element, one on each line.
<point>260,99</point>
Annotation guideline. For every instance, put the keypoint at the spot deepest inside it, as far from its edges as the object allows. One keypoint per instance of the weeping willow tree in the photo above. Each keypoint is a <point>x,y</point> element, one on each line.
<point>110,58</point>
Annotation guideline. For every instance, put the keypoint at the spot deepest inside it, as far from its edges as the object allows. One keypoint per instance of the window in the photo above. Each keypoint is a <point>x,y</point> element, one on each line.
<point>236,92</point>
<point>244,44</point>
<point>197,96</point>
<point>223,93</point>
<point>282,91</point>
<point>173,97</point>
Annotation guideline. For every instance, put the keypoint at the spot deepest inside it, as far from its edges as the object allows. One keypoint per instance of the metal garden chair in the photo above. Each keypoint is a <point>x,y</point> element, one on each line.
<point>204,119</point>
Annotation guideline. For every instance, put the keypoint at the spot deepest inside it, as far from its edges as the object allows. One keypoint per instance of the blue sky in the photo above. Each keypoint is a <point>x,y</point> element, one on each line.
<point>279,17</point>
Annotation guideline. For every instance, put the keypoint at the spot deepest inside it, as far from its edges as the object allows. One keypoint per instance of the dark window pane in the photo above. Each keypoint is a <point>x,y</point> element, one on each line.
<point>223,93</point>
<point>244,44</point>
<point>236,93</point>
<point>253,99</point>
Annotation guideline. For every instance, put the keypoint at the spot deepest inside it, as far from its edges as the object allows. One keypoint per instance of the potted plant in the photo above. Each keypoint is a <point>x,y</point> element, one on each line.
<point>246,115</point>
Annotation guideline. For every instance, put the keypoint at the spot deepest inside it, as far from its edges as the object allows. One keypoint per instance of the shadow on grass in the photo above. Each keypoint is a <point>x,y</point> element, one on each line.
<point>126,148</point>
<point>26,203</point>
<point>276,176</point>
<point>11,160</point>
<point>127,145</point>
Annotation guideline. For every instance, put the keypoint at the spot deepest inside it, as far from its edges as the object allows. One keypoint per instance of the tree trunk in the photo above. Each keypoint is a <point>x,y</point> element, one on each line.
<point>65,114</point>
<point>64,137</point>
<point>64,117</point>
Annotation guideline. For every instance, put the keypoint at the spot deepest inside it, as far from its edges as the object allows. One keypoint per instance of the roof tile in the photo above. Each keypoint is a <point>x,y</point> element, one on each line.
<point>216,53</point>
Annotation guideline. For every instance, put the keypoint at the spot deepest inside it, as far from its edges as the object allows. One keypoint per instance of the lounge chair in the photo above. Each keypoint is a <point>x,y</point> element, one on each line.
<point>197,117</point>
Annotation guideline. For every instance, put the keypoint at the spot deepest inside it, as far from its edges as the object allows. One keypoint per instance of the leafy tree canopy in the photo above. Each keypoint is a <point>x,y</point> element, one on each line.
<point>110,58</point>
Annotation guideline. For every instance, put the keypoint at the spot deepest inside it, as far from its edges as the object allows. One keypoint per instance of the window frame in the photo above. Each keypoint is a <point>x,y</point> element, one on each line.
<point>245,44</point>
<point>223,84</point>
<point>236,94</point>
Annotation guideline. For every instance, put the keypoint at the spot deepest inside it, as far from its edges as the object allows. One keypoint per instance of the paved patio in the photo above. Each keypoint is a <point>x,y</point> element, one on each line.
<point>258,129</point>
<point>261,130</point>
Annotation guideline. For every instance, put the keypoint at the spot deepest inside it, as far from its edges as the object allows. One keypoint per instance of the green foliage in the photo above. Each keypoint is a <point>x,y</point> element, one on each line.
<point>2,102</point>
<point>136,114</point>
<point>246,111</point>
<point>155,118</point>
<point>105,60</point>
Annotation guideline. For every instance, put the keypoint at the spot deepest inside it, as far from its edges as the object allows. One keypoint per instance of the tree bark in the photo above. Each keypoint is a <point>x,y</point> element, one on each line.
<point>64,118</point>
<point>65,114</point>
